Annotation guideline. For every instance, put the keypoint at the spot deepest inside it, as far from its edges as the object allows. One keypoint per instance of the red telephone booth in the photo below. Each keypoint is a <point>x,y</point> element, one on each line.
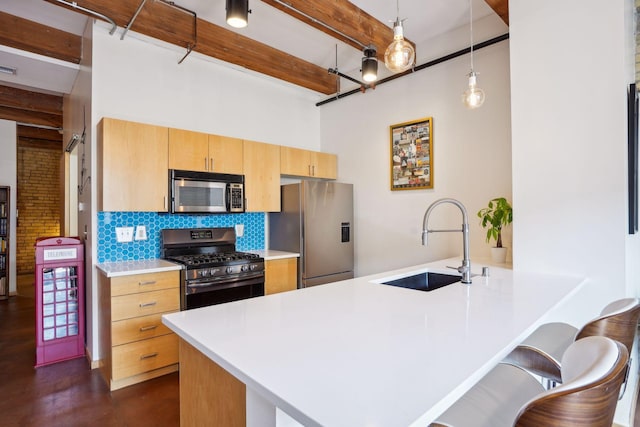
<point>59,281</point>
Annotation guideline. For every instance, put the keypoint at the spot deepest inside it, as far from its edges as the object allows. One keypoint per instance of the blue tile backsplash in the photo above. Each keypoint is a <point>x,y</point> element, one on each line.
<point>110,250</point>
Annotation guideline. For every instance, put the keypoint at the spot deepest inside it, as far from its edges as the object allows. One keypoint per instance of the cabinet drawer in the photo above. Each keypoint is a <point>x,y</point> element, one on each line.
<point>144,303</point>
<point>123,285</point>
<point>137,328</point>
<point>142,356</point>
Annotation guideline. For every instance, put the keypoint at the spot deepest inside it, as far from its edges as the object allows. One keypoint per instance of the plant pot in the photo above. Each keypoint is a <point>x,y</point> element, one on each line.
<point>499,255</point>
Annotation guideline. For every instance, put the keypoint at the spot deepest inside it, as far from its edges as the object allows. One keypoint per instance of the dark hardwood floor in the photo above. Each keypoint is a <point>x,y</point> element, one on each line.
<point>69,393</point>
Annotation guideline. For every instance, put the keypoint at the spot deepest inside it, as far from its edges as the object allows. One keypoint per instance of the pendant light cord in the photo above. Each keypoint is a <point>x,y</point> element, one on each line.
<point>471,30</point>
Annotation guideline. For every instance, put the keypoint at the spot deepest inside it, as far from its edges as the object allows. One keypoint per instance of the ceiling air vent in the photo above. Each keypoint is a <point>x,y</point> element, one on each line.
<point>8,70</point>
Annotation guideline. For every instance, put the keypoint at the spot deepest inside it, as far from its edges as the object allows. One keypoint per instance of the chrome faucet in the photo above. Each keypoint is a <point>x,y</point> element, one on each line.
<point>465,268</point>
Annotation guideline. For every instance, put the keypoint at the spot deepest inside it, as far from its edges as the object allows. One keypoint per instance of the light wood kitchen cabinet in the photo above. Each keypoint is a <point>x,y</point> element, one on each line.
<point>196,151</point>
<point>188,150</point>
<point>306,163</point>
<point>132,172</point>
<point>225,154</point>
<point>261,165</point>
<point>134,343</point>
<point>280,275</point>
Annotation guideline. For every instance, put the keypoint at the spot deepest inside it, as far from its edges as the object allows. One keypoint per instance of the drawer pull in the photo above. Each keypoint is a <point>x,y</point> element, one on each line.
<point>148,328</point>
<point>147,304</point>
<point>149,282</point>
<point>148,356</point>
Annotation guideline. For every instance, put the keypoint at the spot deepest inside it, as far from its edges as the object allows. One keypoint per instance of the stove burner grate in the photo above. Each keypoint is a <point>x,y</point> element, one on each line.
<point>214,258</point>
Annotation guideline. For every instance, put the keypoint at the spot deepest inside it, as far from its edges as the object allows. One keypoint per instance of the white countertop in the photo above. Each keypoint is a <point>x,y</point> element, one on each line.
<point>357,353</point>
<point>127,268</point>
<point>270,254</point>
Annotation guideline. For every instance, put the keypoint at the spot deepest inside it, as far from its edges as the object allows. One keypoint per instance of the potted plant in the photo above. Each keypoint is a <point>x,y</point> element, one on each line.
<point>496,215</point>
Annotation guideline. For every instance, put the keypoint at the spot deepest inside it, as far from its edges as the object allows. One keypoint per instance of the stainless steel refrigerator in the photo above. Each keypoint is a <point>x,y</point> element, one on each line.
<point>316,220</point>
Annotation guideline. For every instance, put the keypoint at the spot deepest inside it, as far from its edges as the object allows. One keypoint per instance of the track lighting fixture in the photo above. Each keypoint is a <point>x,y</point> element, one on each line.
<point>400,55</point>
<point>238,13</point>
<point>370,64</point>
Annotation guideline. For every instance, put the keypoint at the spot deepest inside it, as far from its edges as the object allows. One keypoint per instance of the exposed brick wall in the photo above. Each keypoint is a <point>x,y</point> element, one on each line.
<point>38,201</point>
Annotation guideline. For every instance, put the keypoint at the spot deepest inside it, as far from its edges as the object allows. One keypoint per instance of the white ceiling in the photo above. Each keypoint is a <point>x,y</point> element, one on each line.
<point>426,20</point>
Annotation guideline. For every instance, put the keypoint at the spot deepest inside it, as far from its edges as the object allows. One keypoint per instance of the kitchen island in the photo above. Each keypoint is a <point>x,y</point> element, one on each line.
<point>356,352</point>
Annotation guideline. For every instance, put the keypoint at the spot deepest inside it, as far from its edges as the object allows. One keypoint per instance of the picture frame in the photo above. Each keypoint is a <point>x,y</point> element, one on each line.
<point>412,154</point>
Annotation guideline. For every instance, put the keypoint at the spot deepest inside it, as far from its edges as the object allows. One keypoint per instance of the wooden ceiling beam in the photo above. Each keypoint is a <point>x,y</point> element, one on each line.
<point>33,37</point>
<point>34,108</point>
<point>31,117</point>
<point>501,7</point>
<point>39,134</point>
<point>30,101</point>
<point>164,22</point>
<point>28,143</point>
<point>343,16</point>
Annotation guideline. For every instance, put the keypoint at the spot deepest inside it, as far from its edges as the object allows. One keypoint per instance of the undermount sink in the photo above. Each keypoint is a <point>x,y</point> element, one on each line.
<point>427,281</point>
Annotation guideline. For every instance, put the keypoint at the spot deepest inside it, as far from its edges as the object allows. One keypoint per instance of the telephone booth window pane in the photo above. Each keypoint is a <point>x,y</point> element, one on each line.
<point>61,332</point>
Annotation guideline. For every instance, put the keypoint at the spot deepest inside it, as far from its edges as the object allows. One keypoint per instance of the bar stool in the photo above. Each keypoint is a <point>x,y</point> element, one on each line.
<point>593,369</point>
<point>540,352</point>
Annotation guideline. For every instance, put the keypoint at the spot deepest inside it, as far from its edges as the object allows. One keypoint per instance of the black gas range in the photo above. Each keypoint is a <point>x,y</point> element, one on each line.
<point>213,271</point>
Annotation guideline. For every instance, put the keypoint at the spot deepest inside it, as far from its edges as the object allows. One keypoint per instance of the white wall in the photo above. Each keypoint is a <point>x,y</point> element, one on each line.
<point>569,142</point>
<point>77,119</point>
<point>471,149</point>
<point>8,176</point>
<point>139,79</point>
<point>569,84</point>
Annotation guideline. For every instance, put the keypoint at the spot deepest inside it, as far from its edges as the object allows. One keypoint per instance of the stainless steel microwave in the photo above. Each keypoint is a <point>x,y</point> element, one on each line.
<point>205,192</point>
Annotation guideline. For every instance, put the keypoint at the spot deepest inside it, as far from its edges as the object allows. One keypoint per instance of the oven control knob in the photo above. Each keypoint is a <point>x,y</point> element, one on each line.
<point>253,267</point>
<point>212,272</point>
<point>244,268</point>
<point>229,270</point>
<point>204,273</point>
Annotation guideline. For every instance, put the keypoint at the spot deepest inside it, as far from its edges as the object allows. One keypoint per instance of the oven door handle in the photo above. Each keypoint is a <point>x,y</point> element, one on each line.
<point>196,287</point>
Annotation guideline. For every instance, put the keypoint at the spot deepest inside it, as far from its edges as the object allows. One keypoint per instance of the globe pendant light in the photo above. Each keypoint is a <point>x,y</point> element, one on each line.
<point>370,64</point>
<point>473,97</point>
<point>400,55</point>
<point>238,13</point>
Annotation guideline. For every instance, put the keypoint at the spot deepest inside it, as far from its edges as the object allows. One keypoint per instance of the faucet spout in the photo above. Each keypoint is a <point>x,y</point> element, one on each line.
<point>465,268</point>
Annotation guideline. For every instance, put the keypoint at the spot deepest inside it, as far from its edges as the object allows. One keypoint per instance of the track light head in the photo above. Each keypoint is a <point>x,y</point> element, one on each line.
<point>238,13</point>
<point>370,64</point>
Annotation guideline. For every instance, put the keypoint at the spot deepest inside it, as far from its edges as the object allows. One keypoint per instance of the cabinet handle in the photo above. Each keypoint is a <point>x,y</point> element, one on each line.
<point>164,202</point>
<point>148,282</point>
<point>313,168</point>
<point>148,328</point>
<point>148,356</point>
<point>147,304</point>
<point>211,164</point>
<point>205,164</point>
<point>309,166</point>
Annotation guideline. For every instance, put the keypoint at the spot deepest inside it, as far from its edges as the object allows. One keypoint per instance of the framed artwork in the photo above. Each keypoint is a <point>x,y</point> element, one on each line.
<point>412,155</point>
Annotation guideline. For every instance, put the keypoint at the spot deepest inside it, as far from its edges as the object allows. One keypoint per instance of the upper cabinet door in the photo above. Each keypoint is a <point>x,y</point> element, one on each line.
<point>225,154</point>
<point>324,165</point>
<point>261,176</point>
<point>306,163</point>
<point>132,166</point>
<point>188,150</point>
<point>295,161</point>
